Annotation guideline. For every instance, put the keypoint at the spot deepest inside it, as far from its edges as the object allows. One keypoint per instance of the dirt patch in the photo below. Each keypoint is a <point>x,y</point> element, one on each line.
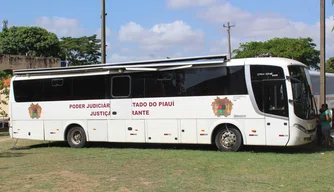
<point>4,139</point>
<point>178,171</point>
<point>124,189</point>
<point>113,179</point>
<point>69,181</point>
<point>145,181</point>
<point>76,181</point>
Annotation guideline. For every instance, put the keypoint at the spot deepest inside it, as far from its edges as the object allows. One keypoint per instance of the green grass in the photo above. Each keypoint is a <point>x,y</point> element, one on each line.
<point>36,166</point>
<point>4,134</point>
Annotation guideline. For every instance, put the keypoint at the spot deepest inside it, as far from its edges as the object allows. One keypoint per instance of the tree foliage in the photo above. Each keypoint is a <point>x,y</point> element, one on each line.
<point>4,24</point>
<point>300,49</point>
<point>80,51</point>
<point>30,41</point>
<point>4,90</point>
<point>38,42</point>
<point>330,65</point>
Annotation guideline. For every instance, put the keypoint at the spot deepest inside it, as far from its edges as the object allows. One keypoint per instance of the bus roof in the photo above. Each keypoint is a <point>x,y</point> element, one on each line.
<point>160,64</point>
<point>273,60</point>
<point>133,65</point>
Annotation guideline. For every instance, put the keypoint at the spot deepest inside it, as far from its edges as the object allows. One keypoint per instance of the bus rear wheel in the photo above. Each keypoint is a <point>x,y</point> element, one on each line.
<point>76,137</point>
<point>228,139</point>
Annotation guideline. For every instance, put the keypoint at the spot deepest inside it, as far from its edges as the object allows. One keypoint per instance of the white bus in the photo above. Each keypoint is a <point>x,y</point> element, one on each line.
<point>195,100</point>
<point>315,78</point>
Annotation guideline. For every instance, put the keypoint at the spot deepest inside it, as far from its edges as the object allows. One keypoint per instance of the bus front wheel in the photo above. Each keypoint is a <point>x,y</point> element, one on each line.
<point>228,139</point>
<point>76,137</point>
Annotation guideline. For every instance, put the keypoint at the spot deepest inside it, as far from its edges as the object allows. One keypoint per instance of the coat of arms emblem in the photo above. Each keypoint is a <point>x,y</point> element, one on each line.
<point>222,107</point>
<point>35,111</point>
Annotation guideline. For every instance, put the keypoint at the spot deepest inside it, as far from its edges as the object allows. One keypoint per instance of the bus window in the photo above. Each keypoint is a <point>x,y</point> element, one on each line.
<point>269,89</point>
<point>57,82</point>
<point>138,87</point>
<point>275,98</point>
<point>28,91</point>
<point>120,86</point>
<point>57,89</point>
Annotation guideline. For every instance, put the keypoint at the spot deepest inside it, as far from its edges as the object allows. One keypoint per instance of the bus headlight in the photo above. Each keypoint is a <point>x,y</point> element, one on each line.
<point>300,127</point>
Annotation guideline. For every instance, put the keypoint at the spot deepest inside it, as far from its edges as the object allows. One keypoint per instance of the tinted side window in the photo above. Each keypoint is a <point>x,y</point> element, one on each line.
<point>206,81</point>
<point>30,90</point>
<point>258,94</point>
<point>89,87</point>
<point>215,81</point>
<point>237,85</point>
<point>57,89</point>
<point>275,98</point>
<point>269,89</point>
<point>190,82</point>
<point>263,72</point>
<point>71,88</point>
<point>138,86</point>
<point>154,87</point>
<point>120,86</point>
<point>157,84</point>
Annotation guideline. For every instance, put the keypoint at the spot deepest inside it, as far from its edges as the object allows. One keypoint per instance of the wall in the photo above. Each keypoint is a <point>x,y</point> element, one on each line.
<point>13,62</point>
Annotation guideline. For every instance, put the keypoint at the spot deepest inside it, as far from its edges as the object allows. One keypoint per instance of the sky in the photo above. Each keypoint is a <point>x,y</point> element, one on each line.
<point>154,29</point>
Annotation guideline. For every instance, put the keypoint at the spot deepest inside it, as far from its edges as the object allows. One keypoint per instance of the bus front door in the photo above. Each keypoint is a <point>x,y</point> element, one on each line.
<point>275,106</point>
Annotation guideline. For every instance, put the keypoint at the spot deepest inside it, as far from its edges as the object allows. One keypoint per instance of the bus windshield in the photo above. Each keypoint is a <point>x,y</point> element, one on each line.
<point>302,95</point>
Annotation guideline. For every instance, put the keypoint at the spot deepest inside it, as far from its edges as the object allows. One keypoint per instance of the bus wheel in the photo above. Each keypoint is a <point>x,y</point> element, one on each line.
<point>228,139</point>
<point>76,137</point>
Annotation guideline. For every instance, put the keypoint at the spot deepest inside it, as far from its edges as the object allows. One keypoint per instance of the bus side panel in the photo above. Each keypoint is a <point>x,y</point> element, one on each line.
<point>120,111</point>
<point>203,130</point>
<point>97,130</point>
<point>193,118</point>
<point>135,131</point>
<point>188,133</point>
<point>28,129</point>
<point>162,131</point>
<point>116,130</point>
<point>255,132</point>
<point>54,130</point>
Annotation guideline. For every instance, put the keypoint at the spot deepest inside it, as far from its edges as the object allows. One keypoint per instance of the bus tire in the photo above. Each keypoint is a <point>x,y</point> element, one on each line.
<point>76,137</point>
<point>228,139</point>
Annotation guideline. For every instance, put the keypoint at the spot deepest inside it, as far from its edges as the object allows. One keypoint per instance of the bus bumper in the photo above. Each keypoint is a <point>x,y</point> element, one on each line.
<point>299,137</point>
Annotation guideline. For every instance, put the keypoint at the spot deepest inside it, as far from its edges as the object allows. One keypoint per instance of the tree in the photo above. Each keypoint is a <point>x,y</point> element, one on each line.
<point>300,49</point>
<point>30,41</point>
<point>80,51</point>
<point>4,90</point>
<point>330,65</point>
<point>4,24</point>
